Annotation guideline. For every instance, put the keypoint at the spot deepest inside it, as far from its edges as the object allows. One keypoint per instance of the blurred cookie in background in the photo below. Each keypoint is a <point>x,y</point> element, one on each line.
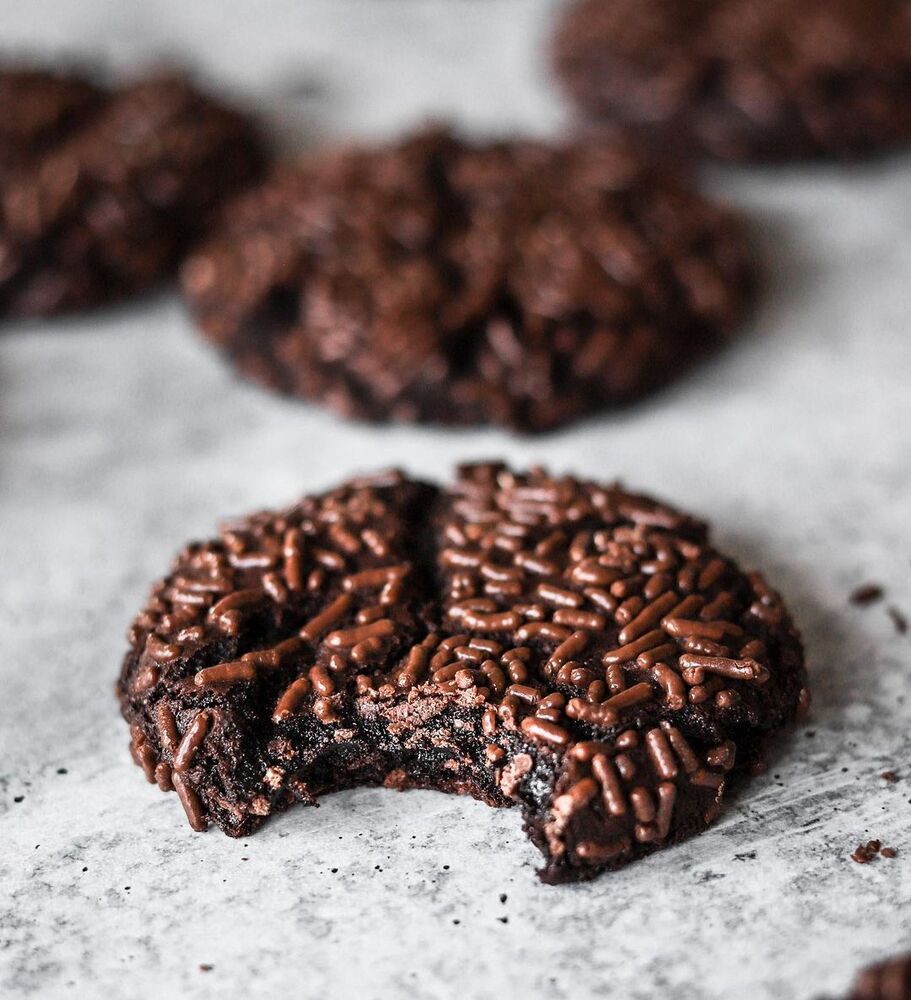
<point>434,280</point>
<point>744,79</point>
<point>102,191</point>
<point>39,109</point>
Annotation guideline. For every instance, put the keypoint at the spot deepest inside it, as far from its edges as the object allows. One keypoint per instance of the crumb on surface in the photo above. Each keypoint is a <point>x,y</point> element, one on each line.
<point>898,620</point>
<point>867,593</point>
<point>865,853</point>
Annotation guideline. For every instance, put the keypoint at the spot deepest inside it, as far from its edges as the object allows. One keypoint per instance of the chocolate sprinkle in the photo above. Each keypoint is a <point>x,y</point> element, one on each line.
<point>101,191</point>
<point>868,593</point>
<point>898,620</point>
<point>744,79</point>
<point>425,622</point>
<point>864,853</point>
<point>513,283</point>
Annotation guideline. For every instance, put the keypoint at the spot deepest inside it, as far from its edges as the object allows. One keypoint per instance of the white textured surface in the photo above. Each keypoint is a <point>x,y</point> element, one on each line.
<point>121,436</point>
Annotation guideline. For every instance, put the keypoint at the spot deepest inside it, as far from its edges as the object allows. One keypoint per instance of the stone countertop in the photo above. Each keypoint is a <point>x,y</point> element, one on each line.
<point>122,435</point>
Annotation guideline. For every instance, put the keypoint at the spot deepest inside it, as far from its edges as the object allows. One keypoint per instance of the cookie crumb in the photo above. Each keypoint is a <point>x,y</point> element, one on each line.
<point>865,853</point>
<point>898,620</point>
<point>862,854</point>
<point>205,967</point>
<point>866,594</point>
<point>889,776</point>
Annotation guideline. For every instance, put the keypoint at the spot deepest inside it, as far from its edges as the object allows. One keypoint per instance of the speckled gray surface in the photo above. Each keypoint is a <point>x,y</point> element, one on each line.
<point>121,436</point>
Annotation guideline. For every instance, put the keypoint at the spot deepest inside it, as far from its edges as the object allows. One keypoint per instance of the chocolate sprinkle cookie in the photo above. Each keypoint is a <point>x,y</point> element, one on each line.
<point>744,79</point>
<point>101,191</point>
<point>513,283</point>
<point>890,980</point>
<point>572,648</point>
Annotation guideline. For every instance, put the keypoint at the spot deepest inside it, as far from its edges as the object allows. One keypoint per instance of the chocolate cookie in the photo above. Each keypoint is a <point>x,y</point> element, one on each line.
<point>573,648</point>
<point>512,283</point>
<point>890,980</point>
<point>102,191</point>
<point>745,79</point>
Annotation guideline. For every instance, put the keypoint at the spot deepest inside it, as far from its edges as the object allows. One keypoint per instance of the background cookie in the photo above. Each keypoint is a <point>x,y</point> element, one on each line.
<point>744,79</point>
<point>514,283</point>
<point>101,192</point>
<point>889,980</point>
<point>39,109</point>
<point>576,649</point>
